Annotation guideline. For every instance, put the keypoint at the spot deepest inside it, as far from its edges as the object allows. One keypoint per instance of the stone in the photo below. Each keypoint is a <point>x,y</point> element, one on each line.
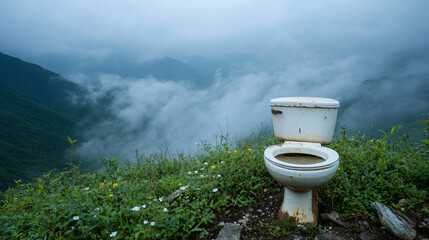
<point>367,236</point>
<point>403,203</point>
<point>176,194</point>
<point>230,232</point>
<point>296,237</point>
<point>334,217</point>
<point>329,236</point>
<point>399,225</point>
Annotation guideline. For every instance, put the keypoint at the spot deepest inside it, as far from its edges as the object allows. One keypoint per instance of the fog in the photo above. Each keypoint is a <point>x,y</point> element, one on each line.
<point>371,56</point>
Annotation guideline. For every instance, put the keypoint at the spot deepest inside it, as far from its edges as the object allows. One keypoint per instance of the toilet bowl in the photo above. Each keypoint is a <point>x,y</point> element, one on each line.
<point>301,164</point>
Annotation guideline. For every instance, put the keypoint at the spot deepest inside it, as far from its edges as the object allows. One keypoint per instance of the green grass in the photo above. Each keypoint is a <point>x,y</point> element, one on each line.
<point>122,197</point>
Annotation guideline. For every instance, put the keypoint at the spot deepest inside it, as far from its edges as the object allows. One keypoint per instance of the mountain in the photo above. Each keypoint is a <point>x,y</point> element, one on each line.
<point>36,117</point>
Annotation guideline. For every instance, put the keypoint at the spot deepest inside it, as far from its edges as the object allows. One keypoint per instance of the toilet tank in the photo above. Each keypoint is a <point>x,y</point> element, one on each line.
<point>304,119</point>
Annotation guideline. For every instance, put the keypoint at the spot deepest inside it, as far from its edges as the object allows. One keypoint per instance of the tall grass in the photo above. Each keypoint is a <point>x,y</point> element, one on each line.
<point>128,200</point>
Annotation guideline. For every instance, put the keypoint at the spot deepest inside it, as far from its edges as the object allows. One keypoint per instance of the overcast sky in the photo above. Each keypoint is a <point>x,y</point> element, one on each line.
<point>210,28</point>
<point>293,48</point>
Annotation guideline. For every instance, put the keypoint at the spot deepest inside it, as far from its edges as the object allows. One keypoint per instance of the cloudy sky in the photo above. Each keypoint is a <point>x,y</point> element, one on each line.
<point>371,55</point>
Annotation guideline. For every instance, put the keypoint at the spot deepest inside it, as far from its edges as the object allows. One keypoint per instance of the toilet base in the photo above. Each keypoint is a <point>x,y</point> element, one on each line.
<point>299,205</point>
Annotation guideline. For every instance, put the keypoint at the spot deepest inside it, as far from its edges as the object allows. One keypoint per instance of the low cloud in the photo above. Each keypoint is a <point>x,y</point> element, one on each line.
<point>146,114</point>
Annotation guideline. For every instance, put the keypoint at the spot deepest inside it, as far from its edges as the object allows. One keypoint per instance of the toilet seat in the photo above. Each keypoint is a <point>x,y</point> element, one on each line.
<point>330,156</point>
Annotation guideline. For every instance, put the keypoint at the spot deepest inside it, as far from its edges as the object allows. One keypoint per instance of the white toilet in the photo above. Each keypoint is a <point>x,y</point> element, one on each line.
<point>301,164</point>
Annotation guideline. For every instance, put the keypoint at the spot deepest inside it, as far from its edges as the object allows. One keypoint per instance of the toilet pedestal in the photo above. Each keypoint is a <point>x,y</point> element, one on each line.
<point>300,205</point>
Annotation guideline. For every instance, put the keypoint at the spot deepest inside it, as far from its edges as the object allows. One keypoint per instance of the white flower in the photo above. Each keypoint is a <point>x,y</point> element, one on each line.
<point>113,234</point>
<point>189,173</point>
<point>219,175</point>
<point>205,163</point>
<point>95,216</point>
<point>160,199</point>
<point>72,228</point>
<point>135,208</point>
<point>187,197</point>
<point>152,223</point>
<point>221,162</point>
<point>165,210</point>
<point>76,218</point>
<point>182,188</point>
<point>155,199</point>
<point>144,206</point>
<point>87,188</point>
<point>215,190</point>
<point>97,209</point>
<point>145,221</point>
<point>195,172</point>
<point>202,169</point>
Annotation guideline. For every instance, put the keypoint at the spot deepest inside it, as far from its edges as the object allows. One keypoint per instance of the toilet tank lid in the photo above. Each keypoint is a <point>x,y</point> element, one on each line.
<point>310,102</point>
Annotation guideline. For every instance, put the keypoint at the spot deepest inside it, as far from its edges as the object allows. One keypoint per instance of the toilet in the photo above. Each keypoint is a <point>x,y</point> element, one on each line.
<point>301,164</point>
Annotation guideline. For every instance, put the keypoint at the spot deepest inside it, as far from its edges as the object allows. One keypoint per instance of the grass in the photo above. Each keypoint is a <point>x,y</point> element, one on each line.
<point>128,200</point>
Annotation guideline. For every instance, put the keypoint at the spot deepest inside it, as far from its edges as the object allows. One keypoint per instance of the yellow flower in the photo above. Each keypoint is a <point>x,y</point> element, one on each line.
<point>235,150</point>
<point>180,184</point>
<point>213,167</point>
<point>249,149</point>
<point>17,181</point>
<point>110,195</point>
<point>228,152</point>
<point>14,199</point>
<point>339,169</point>
<point>115,185</point>
<point>371,141</point>
<point>101,185</point>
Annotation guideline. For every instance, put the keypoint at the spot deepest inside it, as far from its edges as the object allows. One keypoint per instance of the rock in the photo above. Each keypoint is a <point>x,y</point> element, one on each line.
<point>243,221</point>
<point>403,203</point>
<point>230,232</point>
<point>329,236</point>
<point>176,194</point>
<point>426,222</point>
<point>367,236</point>
<point>334,217</point>
<point>400,226</point>
<point>296,237</point>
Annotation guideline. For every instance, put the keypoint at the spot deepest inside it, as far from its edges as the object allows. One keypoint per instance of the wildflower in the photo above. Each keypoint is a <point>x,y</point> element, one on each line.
<point>219,175</point>
<point>97,209</point>
<point>160,199</point>
<point>228,152</point>
<point>135,208</point>
<point>371,141</point>
<point>221,162</point>
<point>144,206</point>
<point>187,197</point>
<point>180,184</point>
<point>202,169</point>
<point>213,167</point>
<point>76,218</point>
<point>87,188</point>
<point>113,234</point>
<point>235,151</point>
<point>189,173</point>
<point>182,188</point>
<point>215,190</point>
<point>196,172</point>
<point>17,181</point>
<point>205,163</point>
<point>249,149</point>
<point>115,185</point>
<point>95,216</point>
<point>14,199</point>
<point>156,200</point>
<point>152,223</point>
<point>165,210</point>
<point>145,221</point>
<point>339,169</point>
<point>72,228</point>
<point>110,195</point>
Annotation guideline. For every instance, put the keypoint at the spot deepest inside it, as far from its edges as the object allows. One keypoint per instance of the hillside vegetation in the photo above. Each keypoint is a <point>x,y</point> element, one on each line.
<point>129,200</point>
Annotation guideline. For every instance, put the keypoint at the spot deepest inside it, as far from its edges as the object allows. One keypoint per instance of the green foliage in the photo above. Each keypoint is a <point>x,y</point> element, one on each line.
<point>124,199</point>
